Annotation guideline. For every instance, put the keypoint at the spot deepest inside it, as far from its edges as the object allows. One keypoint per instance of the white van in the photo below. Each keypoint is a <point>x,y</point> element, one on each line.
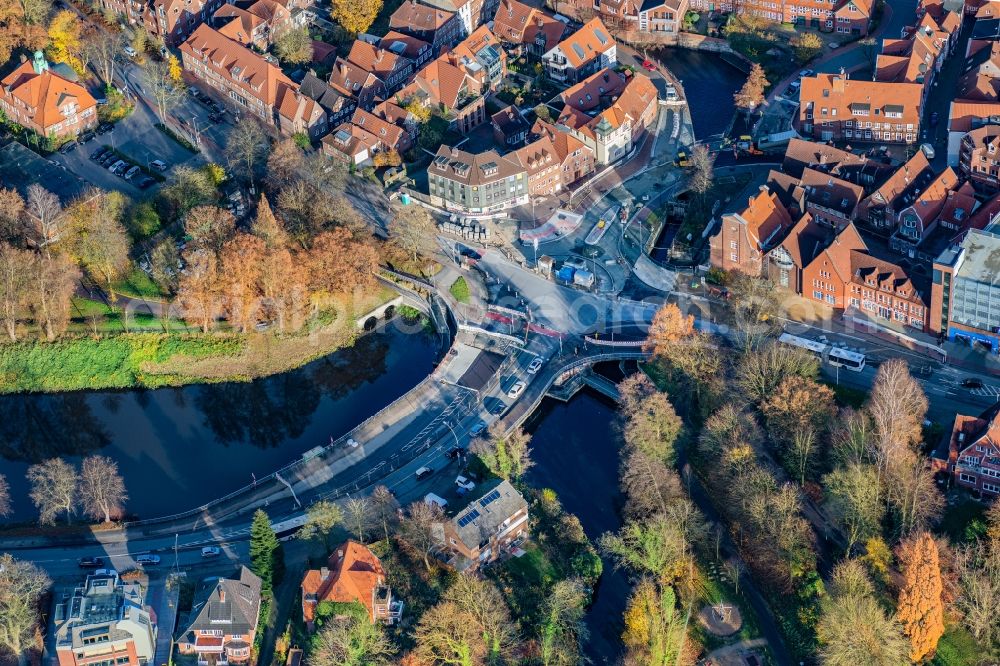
<point>431,498</point>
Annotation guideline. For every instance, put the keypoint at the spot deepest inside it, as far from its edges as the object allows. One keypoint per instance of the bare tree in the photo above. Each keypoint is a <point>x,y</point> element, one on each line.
<point>15,282</point>
<point>897,407</point>
<point>701,169</point>
<point>102,490</point>
<point>505,454</point>
<point>358,512</point>
<point>489,613</point>
<point>352,642</point>
<point>5,506</point>
<point>414,230</point>
<point>978,569</point>
<point>54,278</point>
<point>162,87</point>
<point>420,528</point>
<point>11,215</point>
<point>104,48</point>
<point>562,630</point>
<point>21,588</point>
<point>53,489</point>
<point>247,147</point>
<point>385,508</point>
<point>46,214</point>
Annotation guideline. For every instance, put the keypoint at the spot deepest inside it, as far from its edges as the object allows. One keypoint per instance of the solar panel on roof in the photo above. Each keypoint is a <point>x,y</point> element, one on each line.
<point>489,499</point>
<point>468,518</point>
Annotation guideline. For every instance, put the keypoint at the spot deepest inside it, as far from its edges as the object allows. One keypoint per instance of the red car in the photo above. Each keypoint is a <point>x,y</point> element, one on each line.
<point>648,66</point>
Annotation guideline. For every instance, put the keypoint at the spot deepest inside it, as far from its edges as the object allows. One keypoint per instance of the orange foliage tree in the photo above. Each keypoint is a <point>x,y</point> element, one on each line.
<point>921,607</point>
<point>669,327</point>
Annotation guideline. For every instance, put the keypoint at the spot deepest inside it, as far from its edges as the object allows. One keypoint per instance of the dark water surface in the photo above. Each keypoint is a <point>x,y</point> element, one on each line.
<point>709,83</point>
<point>575,450</point>
<point>178,448</point>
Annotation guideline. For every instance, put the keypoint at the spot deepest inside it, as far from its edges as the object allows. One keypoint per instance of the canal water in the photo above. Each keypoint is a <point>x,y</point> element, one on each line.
<point>575,450</point>
<point>709,83</point>
<point>178,448</point>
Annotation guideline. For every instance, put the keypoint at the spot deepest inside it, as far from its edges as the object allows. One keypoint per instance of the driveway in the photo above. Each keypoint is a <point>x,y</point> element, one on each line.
<point>163,602</point>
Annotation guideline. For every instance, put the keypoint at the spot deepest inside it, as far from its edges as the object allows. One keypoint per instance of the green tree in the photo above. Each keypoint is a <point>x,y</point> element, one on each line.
<point>853,501</point>
<point>266,559</point>
<point>21,587</point>
<point>294,46</point>
<point>562,630</point>
<point>504,454</point>
<point>321,518</point>
<point>654,631</point>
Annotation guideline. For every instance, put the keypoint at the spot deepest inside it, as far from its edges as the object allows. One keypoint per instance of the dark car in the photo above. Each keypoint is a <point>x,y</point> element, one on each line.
<point>86,136</point>
<point>91,562</point>
<point>98,154</point>
<point>972,383</point>
<point>109,159</point>
<point>456,452</point>
<point>498,408</point>
<point>144,182</point>
<point>67,147</point>
<point>104,128</point>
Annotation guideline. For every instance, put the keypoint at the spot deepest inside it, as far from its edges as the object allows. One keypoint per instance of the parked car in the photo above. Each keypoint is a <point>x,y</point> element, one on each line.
<point>85,137</point>
<point>144,182</point>
<point>67,147</point>
<point>807,73</point>
<point>159,165</point>
<point>516,389</point>
<point>423,473</point>
<point>117,164</point>
<point>105,572</point>
<point>146,560</point>
<point>535,365</point>
<point>463,482</point>
<point>98,154</point>
<point>972,383</point>
<point>211,551</point>
<point>104,128</point>
<point>648,65</point>
<point>456,452</point>
<point>91,562</point>
<point>130,174</point>
<point>129,51</point>
<point>478,429</point>
<point>109,159</point>
<point>498,408</point>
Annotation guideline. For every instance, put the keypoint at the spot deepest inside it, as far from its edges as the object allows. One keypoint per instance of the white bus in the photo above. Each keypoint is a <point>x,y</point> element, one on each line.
<point>846,359</point>
<point>835,356</point>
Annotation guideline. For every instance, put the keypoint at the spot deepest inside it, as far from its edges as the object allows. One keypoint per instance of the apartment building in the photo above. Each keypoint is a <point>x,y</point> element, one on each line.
<point>44,102</point>
<point>744,238</point>
<point>481,184</point>
<point>965,116</point>
<point>971,455</point>
<point>481,51</point>
<point>510,128</point>
<point>586,51</point>
<point>408,46</point>
<point>576,159</point>
<point>845,165</point>
<point>836,108</point>
<point>471,13</point>
<point>828,199</point>
<point>440,28</point>
<point>981,80</point>
<point>256,26</point>
<point>853,18</point>
<point>979,158</point>
<point>105,622</point>
<point>542,165</point>
<point>353,573</point>
<point>252,83</point>
<point>455,86</point>
<point>609,112</point>
<point>916,58</point>
<point>487,528</point>
<point>917,218</point>
<point>365,136</point>
<point>526,29</point>
<point>880,209</point>
<point>783,263</point>
<point>965,297</point>
<point>223,620</point>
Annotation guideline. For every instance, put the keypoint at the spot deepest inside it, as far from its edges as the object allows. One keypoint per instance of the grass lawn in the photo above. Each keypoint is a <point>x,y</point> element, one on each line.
<point>138,284</point>
<point>460,290</point>
<point>957,648</point>
<point>524,581</point>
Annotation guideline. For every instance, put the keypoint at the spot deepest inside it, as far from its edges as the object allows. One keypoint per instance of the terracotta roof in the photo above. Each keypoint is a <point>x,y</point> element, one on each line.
<point>964,112</point>
<point>354,573</point>
<point>903,179</point>
<point>838,252</point>
<point>380,62</point>
<point>442,81</point>
<point>800,154</point>
<point>474,169</point>
<point>864,7</point>
<point>474,43</point>
<point>587,43</point>
<point>537,155</point>
<point>239,23</point>
<point>351,140</point>
<point>298,108</point>
<point>352,80</point>
<point>251,72</point>
<point>764,218</point>
<point>563,142</point>
<point>271,11</point>
<point>393,113</point>
<point>928,203</point>
<point>517,23</point>
<point>417,17</point>
<point>509,120</point>
<point>386,132</point>
<point>834,92</point>
<point>620,99</point>
<point>826,190</point>
<point>918,50</point>
<point>806,239</point>
<point>409,46</point>
<point>868,270</point>
<point>47,93</point>
<point>985,213</point>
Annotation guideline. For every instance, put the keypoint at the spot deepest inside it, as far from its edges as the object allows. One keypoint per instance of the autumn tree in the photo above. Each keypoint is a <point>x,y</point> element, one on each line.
<point>562,631</point>
<point>5,505</point>
<point>161,86</point>
<point>283,290</point>
<point>65,31</point>
<point>351,641</point>
<point>355,16</point>
<point>655,632</point>
<point>97,238</point>
<point>175,70</point>
<point>385,508</point>
<point>338,264</point>
<point>853,628</point>
<point>53,281</point>
<point>102,490</point>
<point>387,158</point>
<point>188,188</point>
<point>897,406</point>
<point>46,215</point>
<point>920,608</point>
<point>504,454</point>
<point>104,49</point>
<point>12,208</point>
<point>240,260</point>
<point>754,305</point>
<point>445,635</point>
<point>23,24</point>
<point>798,412</point>
<point>321,519</point>
<point>853,502</point>
<point>418,528</point>
<point>198,291</point>
<point>267,227</point>
<point>22,585</point>
<point>914,497</point>
<point>702,166</point>
<point>659,546</point>
<point>15,286</point>
<point>485,609</point>
<point>209,228</point>
<point>751,95</point>
<point>53,489</point>
<point>650,424</point>
<point>413,230</point>
<point>669,327</point>
<point>648,485</point>
<point>294,46</point>
<point>807,45</point>
<point>247,147</point>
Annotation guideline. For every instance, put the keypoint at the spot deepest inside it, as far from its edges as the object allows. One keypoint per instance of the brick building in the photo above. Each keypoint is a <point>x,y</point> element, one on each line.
<point>105,621</point>
<point>37,98</point>
<point>353,573</point>
<point>965,116</point>
<point>880,209</point>
<point>482,184</point>
<point>223,620</point>
<point>836,108</point>
<point>487,528</point>
<point>979,158</point>
<point>971,454</point>
<point>527,29</point>
<point>745,237</point>
<point>440,28</point>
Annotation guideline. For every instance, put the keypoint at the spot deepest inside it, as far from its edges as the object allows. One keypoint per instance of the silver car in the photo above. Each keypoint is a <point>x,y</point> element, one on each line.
<point>131,173</point>
<point>117,165</point>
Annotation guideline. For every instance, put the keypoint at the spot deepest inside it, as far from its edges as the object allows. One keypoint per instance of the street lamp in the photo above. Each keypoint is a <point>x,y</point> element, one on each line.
<point>453,434</point>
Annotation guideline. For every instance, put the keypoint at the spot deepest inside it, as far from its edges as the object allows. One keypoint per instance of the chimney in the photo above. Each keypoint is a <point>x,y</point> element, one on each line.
<point>340,554</point>
<point>324,573</point>
<point>822,158</point>
<point>222,593</point>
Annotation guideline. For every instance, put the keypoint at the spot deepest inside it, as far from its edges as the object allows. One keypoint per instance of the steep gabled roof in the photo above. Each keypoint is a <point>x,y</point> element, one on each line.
<point>46,93</point>
<point>587,43</point>
<point>256,76</point>
<point>353,573</point>
<point>226,604</point>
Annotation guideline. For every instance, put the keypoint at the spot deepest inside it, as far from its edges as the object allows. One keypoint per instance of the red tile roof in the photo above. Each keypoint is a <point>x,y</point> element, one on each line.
<point>47,93</point>
<point>354,574</point>
<point>592,39</point>
<point>256,76</point>
<point>963,112</point>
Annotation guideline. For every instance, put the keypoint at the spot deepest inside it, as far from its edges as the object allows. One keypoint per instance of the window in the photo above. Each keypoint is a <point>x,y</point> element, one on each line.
<point>991,488</point>
<point>734,257</point>
<point>818,295</point>
<point>967,478</point>
<point>732,245</point>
